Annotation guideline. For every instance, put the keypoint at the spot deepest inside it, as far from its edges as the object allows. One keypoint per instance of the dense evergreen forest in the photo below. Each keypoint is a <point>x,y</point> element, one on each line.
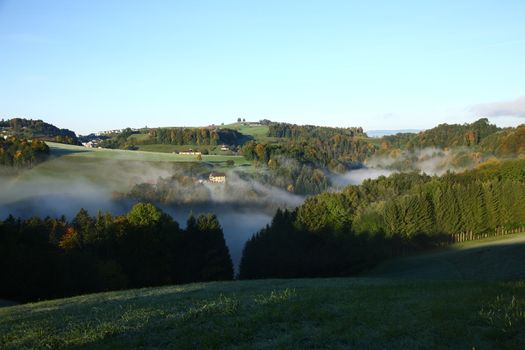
<point>29,129</point>
<point>343,233</point>
<point>331,234</point>
<point>48,258</point>
<point>22,153</point>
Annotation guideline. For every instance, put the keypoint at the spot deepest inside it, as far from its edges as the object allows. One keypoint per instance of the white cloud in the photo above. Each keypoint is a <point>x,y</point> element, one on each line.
<point>514,108</point>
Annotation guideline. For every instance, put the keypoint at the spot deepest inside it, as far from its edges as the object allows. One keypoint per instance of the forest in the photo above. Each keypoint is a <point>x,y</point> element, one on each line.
<point>303,159</point>
<point>335,232</point>
<point>51,258</point>
<point>22,153</point>
<point>29,129</point>
<point>343,233</point>
<point>205,136</point>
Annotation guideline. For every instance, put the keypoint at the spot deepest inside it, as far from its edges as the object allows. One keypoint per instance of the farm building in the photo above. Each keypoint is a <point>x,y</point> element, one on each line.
<point>190,152</point>
<point>217,177</point>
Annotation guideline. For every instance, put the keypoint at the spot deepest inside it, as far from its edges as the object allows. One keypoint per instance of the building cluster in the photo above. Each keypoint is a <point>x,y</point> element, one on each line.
<point>115,131</point>
<point>191,152</point>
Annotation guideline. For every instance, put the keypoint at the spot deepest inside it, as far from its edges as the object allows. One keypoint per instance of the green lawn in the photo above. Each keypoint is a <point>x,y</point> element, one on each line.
<point>344,313</point>
<point>496,258</point>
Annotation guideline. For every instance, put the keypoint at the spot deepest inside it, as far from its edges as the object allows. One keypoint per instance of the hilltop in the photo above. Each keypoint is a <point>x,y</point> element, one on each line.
<point>29,129</point>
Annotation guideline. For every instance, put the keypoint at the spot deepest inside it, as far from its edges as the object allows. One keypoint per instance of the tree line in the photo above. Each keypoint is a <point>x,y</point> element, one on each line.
<point>49,258</point>
<point>206,136</point>
<point>303,157</point>
<point>479,136</point>
<point>294,131</point>
<point>197,136</point>
<point>30,128</point>
<point>16,152</point>
<point>346,232</point>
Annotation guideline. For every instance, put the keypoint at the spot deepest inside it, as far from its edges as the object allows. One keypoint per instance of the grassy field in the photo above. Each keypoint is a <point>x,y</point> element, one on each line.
<point>259,133</point>
<point>113,170</point>
<point>216,150</point>
<point>278,314</point>
<point>335,313</point>
<point>497,258</point>
<point>138,137</point>
<point>113,154</point>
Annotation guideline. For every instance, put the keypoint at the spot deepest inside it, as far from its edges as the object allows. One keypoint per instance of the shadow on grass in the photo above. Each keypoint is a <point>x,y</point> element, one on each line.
<point>60,152</point>
<point>493,261</point>
<point>5,303</point>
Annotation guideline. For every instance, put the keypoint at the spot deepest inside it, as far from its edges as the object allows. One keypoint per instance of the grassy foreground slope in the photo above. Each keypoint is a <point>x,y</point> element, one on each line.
<point>442,311</point>
<point>496,258</point>
<point>269,314</point>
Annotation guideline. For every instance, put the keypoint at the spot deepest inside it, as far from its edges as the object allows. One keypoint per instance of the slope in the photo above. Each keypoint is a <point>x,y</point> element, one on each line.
<point>269,314</point>
<point>497,258</point>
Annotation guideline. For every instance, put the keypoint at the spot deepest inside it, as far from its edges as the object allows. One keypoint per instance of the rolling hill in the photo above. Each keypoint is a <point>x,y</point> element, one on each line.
<point>366,312</point>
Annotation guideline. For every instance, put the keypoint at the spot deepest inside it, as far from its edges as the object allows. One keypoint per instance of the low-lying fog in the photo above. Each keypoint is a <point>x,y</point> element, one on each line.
<point>54,189</point>
<point>61,191</point>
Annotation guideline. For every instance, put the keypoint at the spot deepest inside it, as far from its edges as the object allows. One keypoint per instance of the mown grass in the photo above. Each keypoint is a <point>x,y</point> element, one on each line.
<point>361,313</point>
<point>495,258</point>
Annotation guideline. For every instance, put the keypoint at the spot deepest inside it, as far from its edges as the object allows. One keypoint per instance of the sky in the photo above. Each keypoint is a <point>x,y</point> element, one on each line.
<point>99,65</point>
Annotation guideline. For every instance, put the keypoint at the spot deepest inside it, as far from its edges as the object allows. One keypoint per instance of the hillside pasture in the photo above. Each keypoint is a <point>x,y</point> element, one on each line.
<point>258,132</point>
<point>72,169</point>
<point>496,258</point>
<point>343,313</point>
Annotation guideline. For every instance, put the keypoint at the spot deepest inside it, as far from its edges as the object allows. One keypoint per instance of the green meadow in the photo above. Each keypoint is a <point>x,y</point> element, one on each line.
<point>443,310</point>
<point>79,153</point>
<point>118,170</point>
<point>494,258</point>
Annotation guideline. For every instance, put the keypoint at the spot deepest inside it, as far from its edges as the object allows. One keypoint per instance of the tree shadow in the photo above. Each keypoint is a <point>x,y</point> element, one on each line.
<point>489,262</point>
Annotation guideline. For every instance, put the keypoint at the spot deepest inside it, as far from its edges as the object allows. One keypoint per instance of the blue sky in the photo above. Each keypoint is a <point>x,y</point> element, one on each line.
<point>95,65</point>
